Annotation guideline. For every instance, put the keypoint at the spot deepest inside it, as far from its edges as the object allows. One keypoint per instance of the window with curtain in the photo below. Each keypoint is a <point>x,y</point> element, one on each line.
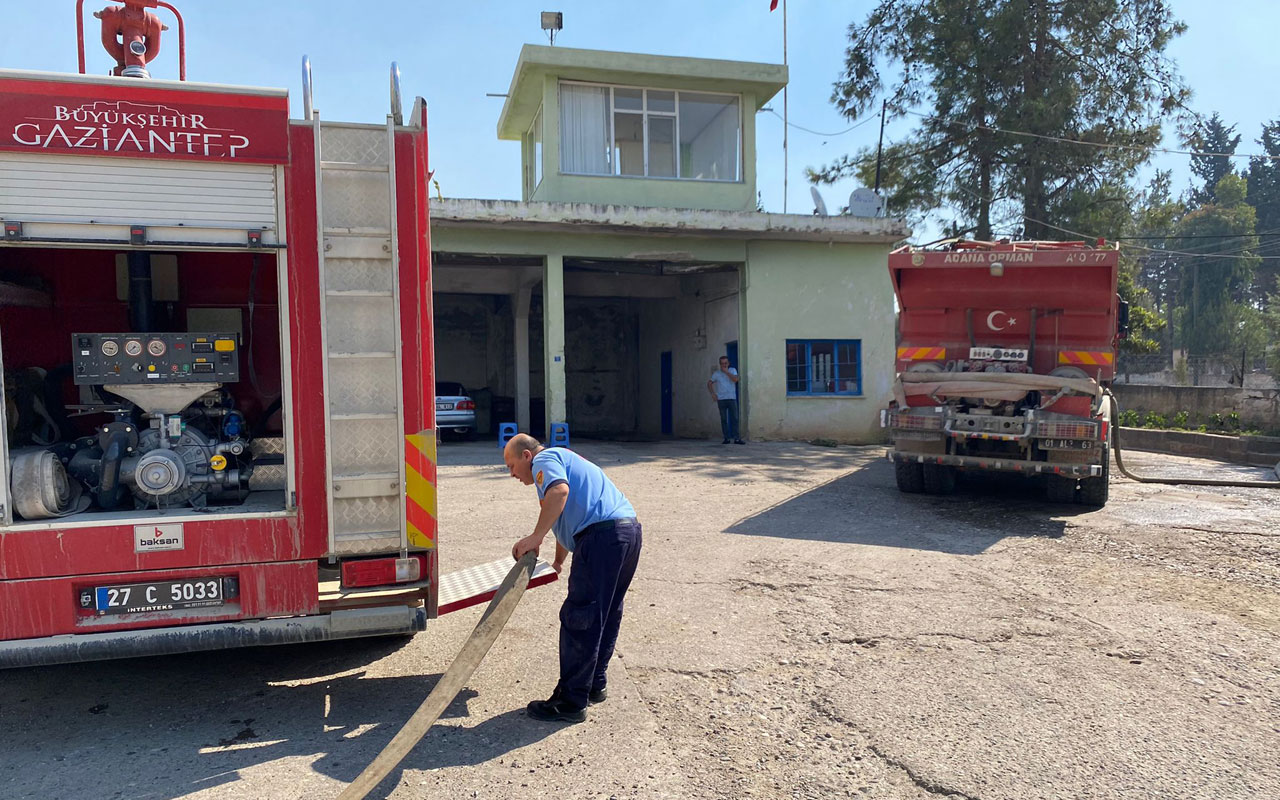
<point>824,366</point>
<point>655,133</point>
<point>584,129</point>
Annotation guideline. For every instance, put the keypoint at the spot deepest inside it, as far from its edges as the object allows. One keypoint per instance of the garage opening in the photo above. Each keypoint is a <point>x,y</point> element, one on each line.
<point>641,340</point>
<point>140,384</point>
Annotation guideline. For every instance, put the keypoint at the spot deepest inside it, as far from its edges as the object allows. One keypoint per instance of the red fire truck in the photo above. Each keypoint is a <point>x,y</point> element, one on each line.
<point>218,370</point>
<point>1005,352</point>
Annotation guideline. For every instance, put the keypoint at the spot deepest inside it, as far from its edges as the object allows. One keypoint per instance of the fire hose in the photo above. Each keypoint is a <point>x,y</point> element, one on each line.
<point>1115,444</point>
<point>446,689</point>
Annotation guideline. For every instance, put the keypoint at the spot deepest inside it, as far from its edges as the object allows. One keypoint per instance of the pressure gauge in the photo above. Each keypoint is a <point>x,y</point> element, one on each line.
<point>156,347</point>
<point>133,347</point>
<point>110,348</point>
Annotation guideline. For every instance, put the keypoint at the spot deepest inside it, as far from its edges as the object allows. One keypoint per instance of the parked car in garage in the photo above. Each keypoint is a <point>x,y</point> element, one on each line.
<point>455,410</point>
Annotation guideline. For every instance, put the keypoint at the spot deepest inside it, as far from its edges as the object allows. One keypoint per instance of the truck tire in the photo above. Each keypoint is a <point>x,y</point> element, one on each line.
<point>1094,491</point>
<point>1061,489</point>
<point>939,479</point>
<point>910,477</point>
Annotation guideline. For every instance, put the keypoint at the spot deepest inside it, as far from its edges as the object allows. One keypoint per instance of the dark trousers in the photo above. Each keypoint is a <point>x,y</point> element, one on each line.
<point>604,560</point>
<point>728,418</point>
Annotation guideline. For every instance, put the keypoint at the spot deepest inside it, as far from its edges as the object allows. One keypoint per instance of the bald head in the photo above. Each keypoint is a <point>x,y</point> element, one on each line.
<point>518,455</point>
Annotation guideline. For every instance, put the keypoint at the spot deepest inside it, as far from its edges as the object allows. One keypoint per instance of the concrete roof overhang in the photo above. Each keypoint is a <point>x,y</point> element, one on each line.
<point>603,66</point>
<point>586,218</point>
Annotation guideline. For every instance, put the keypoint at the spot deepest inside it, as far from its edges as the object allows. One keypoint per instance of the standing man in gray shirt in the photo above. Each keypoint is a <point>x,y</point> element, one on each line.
<point>723,387</point>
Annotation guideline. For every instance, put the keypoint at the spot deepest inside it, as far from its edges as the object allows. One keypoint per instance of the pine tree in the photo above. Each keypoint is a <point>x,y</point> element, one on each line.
<point>1090,70</point>
<point>1217,143</point>
<point>1263,179</point>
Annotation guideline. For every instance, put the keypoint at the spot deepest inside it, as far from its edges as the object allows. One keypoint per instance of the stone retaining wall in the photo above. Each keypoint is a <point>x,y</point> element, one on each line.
<point>1257,451</point>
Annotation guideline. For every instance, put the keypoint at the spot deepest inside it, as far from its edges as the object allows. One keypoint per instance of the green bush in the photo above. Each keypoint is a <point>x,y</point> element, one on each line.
<point>1154,420</point>
<point>1130,419</point>
<point>1179,421</point>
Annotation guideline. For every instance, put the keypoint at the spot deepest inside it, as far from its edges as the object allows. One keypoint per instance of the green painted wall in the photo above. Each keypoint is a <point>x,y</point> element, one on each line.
<point>802,290</point>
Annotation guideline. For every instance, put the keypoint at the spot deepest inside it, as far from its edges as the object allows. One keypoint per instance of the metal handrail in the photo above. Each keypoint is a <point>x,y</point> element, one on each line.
<point>397,104</point>
<point>308,109</point>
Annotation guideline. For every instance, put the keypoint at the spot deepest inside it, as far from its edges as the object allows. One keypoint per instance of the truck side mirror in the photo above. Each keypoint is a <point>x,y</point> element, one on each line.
<point>1122,319</point>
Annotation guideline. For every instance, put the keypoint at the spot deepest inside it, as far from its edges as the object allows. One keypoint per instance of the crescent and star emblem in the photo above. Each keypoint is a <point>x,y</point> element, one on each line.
<point>991,321</point>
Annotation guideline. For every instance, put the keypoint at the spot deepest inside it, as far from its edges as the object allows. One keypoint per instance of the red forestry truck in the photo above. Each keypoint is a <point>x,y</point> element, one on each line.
<point>215,324</point>
<point>1005,353</point>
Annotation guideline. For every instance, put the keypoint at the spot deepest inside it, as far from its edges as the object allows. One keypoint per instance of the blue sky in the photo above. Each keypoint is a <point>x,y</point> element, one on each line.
<point>452,53</point>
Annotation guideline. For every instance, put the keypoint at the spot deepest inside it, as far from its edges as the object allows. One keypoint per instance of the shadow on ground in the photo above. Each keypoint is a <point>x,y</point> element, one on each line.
<point>200,719</point>
<point>777,460</point>
<point>869,509</point>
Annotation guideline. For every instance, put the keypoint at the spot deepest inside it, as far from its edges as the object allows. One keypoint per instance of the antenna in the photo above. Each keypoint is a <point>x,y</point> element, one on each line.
<point>819,207</point>
<point>552,21</point>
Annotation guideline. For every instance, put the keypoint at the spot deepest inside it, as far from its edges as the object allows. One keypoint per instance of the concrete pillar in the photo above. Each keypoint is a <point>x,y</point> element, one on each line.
<point>553,338</point>
<point>521,307</point>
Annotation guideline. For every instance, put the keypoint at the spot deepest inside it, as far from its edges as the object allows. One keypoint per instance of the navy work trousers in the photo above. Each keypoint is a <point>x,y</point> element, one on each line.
<point>728,418</point>
<point>604,560</point>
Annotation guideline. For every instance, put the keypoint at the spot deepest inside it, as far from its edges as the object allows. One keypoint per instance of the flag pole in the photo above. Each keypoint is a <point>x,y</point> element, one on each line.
<point>786,122</point>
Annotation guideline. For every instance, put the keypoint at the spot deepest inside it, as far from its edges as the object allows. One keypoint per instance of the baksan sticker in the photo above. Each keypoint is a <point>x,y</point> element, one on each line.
<point>154,538</point>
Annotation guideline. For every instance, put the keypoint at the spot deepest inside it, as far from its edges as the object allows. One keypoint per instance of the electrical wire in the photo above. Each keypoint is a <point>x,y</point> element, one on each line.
<point>1099,145</point>
<point>852,127</point>
<point>1189,254</point>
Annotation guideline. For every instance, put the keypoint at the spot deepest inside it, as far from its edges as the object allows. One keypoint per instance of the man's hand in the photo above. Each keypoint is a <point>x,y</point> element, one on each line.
<point>529,543</point>
<point>561,555</point>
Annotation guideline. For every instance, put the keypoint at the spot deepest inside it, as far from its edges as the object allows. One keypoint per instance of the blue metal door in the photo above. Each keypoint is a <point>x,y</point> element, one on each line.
<point>667,429</point>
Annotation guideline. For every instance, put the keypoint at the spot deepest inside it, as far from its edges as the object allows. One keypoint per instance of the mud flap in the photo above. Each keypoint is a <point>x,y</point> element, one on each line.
<point>475,585</point>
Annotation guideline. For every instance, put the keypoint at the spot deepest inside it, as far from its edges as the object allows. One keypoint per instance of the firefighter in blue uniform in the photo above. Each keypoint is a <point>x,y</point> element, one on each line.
<point>593,520</point>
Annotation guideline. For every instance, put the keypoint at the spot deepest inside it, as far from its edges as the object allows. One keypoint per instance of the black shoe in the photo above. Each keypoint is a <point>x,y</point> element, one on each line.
<point>556,711</point>
<point>726,441</point>
<point>738,441</point>
<point>598,696</point>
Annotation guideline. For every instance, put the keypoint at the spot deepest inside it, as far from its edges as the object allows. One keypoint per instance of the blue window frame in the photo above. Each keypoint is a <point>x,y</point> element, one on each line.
<point>824,366</point>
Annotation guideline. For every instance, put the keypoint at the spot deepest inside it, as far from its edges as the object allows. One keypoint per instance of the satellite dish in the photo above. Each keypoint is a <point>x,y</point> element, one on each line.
<point>865,203</point>
<point>819,207</point>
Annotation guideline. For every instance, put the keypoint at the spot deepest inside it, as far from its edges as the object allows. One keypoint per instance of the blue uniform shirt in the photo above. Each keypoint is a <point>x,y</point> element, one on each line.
<point>592,496</point>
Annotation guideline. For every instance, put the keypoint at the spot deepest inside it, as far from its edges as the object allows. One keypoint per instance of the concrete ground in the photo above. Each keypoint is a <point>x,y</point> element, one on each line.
<point>798,628</point>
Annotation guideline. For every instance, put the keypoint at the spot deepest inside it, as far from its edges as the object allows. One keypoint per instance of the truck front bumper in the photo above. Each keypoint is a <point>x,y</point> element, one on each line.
<point>347,624</point>
<point>991,464</point>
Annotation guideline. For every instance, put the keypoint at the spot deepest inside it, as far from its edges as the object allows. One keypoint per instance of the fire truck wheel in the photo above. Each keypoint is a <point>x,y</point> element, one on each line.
<point>1094,491</point>
<point>910,477</point>
<point>939,479</point>
<point>1061,489</point>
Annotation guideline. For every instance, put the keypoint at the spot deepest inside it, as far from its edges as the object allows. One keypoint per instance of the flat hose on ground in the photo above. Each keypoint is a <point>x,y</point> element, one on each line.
<point>1115,446</point>
<point>469,657</point>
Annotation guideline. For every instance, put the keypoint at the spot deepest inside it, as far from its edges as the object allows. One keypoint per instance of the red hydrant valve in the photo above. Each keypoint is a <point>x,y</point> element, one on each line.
<point>131,35</point>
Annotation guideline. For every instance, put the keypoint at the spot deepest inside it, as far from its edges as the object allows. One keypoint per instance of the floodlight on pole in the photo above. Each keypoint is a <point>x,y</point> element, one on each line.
<point>552,21</point>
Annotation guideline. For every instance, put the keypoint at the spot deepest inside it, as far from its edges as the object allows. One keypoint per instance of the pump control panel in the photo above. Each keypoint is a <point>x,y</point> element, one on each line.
<point>155,358</point>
